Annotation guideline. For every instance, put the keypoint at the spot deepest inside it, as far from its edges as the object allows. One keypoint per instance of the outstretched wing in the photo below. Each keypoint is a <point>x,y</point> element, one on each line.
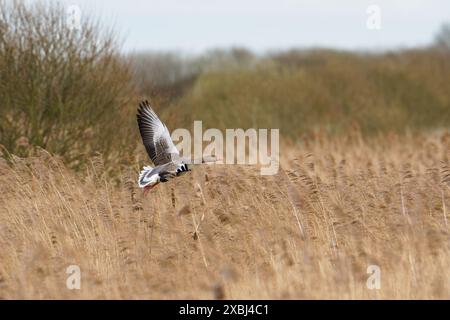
<point>155,136</point>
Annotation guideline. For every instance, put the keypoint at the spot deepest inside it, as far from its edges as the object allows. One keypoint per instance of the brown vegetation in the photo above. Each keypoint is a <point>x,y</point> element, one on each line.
<point>61,89</point>
<point>364,181</point>
<point>225,231</point>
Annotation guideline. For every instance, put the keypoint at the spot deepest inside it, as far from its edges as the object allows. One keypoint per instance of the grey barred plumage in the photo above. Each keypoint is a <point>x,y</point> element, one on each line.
<point>160,148</point>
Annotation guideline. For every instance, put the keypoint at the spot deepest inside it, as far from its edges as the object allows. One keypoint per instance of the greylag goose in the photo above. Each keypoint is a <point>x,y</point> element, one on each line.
<point>160,148</point>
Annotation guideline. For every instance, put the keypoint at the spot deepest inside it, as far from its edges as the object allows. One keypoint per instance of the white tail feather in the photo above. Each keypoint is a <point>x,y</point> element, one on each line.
<point>144,178</point>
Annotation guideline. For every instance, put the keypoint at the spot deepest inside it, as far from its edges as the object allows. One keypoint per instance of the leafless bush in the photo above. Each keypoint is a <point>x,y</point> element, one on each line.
<point>61,88</point>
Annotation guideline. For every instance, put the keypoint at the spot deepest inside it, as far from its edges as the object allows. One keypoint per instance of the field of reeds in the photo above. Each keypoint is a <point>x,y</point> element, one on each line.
<point>364,179</point>
<point>311,231</point>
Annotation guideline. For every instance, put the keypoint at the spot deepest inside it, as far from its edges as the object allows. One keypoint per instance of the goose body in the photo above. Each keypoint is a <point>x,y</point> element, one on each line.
<point>160,148</point>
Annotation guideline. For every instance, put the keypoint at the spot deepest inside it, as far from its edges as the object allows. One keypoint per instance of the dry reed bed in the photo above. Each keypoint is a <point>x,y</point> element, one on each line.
<point>226,232</point>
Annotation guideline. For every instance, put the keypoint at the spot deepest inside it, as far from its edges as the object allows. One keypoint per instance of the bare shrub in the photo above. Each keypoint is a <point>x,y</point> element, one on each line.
<point>61,89</point>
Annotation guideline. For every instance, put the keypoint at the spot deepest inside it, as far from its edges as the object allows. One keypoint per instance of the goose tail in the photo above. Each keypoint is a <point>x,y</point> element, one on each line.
<point>145,176</point>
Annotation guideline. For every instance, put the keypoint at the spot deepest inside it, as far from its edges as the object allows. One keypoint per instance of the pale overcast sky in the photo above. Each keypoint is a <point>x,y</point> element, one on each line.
<point>193,26</point>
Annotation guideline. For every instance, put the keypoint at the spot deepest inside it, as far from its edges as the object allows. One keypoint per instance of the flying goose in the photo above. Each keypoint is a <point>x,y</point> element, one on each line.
<point>160,148</point>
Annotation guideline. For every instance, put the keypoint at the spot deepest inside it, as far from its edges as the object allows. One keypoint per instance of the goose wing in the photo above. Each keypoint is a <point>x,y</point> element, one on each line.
<point>155,136</point>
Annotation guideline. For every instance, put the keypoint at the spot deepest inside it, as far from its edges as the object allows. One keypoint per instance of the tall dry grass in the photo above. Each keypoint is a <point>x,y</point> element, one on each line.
<point>310,231</point>
<point>337,206</point>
